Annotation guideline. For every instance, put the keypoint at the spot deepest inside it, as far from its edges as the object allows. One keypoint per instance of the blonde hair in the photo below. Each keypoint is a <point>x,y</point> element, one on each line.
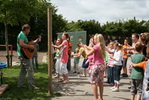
<point>101,42</point>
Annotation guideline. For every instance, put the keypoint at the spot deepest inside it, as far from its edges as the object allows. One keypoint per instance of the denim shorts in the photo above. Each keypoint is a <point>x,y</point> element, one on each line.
<point>84,65</point>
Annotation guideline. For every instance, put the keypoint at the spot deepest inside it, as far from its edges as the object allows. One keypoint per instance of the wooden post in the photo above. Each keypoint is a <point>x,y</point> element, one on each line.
<point>6,43</point>
<point>50,58</point>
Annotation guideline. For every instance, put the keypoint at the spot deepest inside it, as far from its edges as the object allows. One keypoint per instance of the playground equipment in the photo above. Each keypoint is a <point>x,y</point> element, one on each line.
<point>2,65</point>
<point>11,53</point>
<point>3,87</point>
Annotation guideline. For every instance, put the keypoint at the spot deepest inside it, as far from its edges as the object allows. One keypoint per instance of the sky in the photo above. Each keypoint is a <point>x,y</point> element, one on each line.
<point>102,10</point>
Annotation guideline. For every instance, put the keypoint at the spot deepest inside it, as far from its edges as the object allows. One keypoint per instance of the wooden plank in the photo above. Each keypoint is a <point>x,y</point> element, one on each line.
<point>3,87</point>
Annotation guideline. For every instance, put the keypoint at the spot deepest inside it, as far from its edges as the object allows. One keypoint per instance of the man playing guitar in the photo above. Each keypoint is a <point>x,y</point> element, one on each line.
<point>26,63</point>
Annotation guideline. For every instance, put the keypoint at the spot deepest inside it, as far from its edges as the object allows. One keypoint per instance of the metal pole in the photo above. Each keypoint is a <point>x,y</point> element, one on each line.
<point>50,60</point>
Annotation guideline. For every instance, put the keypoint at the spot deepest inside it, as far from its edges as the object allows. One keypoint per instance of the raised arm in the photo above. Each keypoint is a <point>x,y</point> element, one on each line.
<point>58,47</point>
<point>89,50</point>
<point>22,44</point>
<point>110,52</point>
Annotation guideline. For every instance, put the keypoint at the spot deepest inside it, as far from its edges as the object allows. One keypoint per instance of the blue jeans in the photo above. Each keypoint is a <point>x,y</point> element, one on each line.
<point>117,72</point>
<point>110,74</point>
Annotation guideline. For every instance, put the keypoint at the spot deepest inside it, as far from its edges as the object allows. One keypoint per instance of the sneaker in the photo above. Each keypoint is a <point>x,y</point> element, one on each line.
<point>115,90</point>
<point>112,87</point>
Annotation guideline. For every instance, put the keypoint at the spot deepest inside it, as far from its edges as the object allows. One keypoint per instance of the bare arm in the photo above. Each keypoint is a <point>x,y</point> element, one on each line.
<point>109,51</point>
<point>134,65</point>
<point>130,48</point>
<point>113,58</point>
<point>89,50</point>
<point>58,47</point>
<point>75,55</point>
<point>22,44</point>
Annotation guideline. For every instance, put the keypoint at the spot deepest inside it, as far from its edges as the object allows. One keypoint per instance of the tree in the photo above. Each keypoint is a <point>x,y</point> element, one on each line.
<point>90,26</point>
<point>13,12</point>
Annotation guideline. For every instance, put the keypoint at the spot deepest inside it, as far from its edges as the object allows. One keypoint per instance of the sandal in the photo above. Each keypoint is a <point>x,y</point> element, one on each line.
<point>65,82</point>
<point>60,80</point>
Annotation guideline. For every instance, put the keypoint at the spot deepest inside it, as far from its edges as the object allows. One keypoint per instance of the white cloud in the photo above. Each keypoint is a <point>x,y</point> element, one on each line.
<point>102,10</point>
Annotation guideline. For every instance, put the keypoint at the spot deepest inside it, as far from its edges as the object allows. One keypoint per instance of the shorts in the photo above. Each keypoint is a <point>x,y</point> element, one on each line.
<point>63,68</point>
<point>97,73</point>
<point>84,65</point>
<point>124,62</point>
<point>57,65</point>
<point>136,86</point>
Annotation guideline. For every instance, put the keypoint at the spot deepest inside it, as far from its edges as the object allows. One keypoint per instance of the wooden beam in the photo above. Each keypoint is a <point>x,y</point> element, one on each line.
<point>3,87</point>
<point>50,59</point>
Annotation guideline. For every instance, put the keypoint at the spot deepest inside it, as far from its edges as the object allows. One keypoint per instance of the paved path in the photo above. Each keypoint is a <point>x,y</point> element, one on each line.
<point>80,89</point>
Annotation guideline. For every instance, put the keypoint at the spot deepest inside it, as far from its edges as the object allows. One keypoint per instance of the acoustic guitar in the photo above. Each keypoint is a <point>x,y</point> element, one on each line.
<point>29,53</point>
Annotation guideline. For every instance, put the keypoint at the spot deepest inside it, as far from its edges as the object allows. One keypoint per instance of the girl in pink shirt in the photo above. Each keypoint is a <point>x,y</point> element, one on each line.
<point>98,68</point>
<point>64,57</point>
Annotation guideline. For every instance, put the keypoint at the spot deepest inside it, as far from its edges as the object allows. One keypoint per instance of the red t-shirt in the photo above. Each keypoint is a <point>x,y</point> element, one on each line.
<point>65,52</point>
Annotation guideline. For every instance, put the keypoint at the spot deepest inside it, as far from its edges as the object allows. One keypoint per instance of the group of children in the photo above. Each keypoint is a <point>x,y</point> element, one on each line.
<point>117,55</point>
<point>117,59</point>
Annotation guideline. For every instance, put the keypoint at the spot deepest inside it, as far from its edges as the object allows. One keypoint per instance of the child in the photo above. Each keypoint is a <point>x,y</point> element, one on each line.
<point>145,66</point>
<point>58,57</point>
<point>64,58</point>
<point>83,54</point>
<point>98,68</point>
<point>137,73</point>
<point>125,57</point>
<point>117,66</point>
<point>76,61</point>
<point>110,66</point>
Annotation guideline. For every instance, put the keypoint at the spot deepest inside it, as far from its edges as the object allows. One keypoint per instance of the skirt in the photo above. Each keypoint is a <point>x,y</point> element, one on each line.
<point>97,73</point>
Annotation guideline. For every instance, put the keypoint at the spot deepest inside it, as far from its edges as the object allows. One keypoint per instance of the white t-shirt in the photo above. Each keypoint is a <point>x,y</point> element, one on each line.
<point>110,61</point>
<point>118,56</point>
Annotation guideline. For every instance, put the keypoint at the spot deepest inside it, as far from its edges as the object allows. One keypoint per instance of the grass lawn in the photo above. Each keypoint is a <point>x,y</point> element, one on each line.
<point>41,80</point>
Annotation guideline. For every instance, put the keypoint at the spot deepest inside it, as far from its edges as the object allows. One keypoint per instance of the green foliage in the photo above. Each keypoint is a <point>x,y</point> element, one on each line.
<point>124,28</point>
<point>90,26</point>
<point>14,11</point>
<point>73,26</point>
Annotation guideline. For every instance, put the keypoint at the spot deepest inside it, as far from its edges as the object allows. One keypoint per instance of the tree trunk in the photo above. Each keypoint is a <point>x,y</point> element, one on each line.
<point>6,43</point>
